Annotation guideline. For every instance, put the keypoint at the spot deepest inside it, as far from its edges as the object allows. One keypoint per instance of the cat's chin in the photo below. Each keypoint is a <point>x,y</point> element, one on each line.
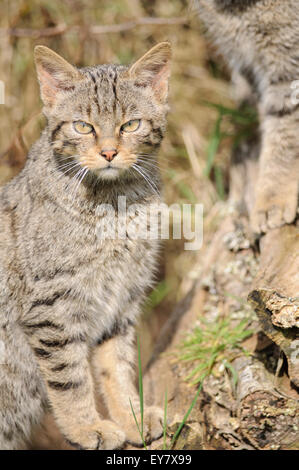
<point>109,173</point>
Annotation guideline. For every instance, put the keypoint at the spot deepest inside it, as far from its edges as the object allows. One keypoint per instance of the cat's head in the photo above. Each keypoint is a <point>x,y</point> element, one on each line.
<point>108,118</point>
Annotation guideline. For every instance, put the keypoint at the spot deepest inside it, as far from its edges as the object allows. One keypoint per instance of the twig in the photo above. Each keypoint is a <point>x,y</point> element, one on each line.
<point>96,29</point>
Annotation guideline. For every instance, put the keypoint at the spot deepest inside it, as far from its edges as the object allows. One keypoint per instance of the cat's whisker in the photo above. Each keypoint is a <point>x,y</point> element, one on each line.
<point>150,166</point>
<point>146,173</point>
<point>154,160</point>
<point>60,172</point>
<point>65,165</point>
<point>69,169</point>
<point>155,190</point>
<point>79,177</point>
<point>147,160</point>
<point>152,155</point>
<point>74,181</point>
<point>150,159</point>
<point>63,159</point>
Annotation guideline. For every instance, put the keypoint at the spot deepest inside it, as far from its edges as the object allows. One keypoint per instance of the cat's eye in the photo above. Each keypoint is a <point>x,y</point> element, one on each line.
<point>131,126</point>
<point>82,127</point>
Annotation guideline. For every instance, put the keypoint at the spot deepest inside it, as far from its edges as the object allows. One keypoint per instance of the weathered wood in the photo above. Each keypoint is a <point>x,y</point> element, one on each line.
<point>275,293</point>
<point>255,414</point>
<point>267,419</point>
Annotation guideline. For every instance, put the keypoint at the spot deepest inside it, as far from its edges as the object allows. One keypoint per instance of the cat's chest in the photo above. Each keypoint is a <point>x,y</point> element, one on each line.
<point>105,263</point>
<point>122,265</point>
<point>117,267</point>
<point>116,281</point>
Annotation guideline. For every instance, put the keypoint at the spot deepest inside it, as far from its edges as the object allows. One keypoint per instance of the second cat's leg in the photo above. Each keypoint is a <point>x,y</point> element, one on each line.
<point>277,187</point>
<point>115,368</point>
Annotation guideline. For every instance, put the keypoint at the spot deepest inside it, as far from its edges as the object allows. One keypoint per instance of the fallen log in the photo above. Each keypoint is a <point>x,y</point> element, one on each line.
<point>255,413</point>
<point>275,293</point>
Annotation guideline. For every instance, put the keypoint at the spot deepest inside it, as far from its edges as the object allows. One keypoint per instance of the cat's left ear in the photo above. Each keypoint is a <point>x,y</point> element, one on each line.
<point>154,69</point>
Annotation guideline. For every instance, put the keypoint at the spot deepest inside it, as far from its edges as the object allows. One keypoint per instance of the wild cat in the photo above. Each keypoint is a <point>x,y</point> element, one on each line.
<point>260,41</point>
<point>65,290</point>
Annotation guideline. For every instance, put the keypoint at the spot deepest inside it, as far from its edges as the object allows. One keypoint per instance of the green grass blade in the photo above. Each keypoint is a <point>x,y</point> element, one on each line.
<point>165,421</point>
<point>178,431</point>
<point>140,385</point>
<point>141,434</point>
<point>159,294</point>
<point>219,181</point>
<point>213,146</point>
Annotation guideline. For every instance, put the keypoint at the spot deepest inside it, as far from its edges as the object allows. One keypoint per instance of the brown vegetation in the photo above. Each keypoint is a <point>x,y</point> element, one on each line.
<point>212,284</point>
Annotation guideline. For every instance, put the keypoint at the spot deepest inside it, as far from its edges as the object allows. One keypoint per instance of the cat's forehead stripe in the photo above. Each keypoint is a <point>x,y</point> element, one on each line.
<point>104,88</point>
<point>95,98</point>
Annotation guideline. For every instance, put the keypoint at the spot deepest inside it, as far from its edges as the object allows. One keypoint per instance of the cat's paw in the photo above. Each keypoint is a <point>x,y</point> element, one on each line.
<point>275,205</point>
<point>105,435</point>
<point>152,427</point>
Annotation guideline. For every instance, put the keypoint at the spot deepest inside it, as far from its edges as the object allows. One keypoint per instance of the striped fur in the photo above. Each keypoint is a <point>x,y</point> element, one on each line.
<point>259,39</point>
<point>69,300</point>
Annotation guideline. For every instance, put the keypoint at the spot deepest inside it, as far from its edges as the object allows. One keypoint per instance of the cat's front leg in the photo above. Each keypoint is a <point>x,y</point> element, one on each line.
<point>62,356</point>
<point>115,367</point>
<point>277,188</point>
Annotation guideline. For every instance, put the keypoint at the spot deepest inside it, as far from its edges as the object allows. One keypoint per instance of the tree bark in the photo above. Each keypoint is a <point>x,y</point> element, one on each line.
<point>275,294</point>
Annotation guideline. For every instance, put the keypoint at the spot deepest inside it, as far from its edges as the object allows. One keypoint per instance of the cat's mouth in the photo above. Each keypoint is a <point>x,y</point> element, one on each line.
<point>109,172</point>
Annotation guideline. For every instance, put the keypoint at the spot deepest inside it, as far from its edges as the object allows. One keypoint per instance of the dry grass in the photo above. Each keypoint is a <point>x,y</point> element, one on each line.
<point>196,79</point>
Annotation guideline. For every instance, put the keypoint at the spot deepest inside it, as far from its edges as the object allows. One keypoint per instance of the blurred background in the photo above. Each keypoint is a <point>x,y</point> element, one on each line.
<point>203,124</point>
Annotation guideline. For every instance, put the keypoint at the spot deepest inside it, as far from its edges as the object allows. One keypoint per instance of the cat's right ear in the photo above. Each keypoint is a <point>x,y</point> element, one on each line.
<point>55,74</point>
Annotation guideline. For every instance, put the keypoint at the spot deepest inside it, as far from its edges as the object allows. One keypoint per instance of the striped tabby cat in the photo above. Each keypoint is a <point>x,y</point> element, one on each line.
<point>70,298</point>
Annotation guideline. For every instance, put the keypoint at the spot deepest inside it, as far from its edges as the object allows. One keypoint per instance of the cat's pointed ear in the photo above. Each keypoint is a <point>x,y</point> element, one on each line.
<point>154,69</point>
<point>55,74</point>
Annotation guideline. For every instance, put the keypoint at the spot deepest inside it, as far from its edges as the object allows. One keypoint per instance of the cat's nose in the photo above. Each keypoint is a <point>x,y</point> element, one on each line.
<point>109,154</point>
